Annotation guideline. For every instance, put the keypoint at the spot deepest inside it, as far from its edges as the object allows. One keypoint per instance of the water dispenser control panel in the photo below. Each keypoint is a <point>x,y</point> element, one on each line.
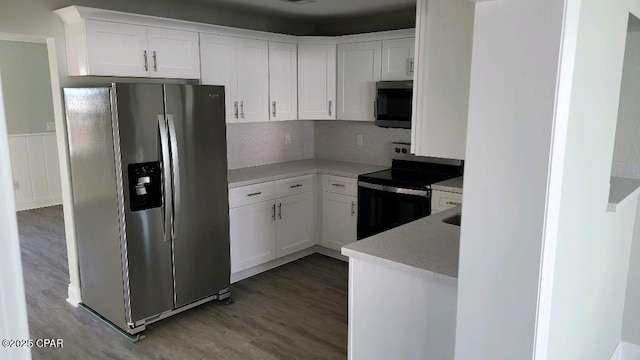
<point>145,186</point>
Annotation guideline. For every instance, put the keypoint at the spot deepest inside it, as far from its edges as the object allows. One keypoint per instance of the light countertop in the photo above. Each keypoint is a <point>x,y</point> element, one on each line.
<point>620,190</point>
<point>427,247</point>
<point>451,185</point>
<point>258,174</point>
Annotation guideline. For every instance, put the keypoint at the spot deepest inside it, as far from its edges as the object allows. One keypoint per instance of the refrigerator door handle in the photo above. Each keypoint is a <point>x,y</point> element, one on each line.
<point>167,199</point>
<point>175,176</point>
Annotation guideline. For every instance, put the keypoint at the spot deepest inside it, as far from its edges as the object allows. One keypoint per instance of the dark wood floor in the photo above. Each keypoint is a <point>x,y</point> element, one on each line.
<point>296,311</point>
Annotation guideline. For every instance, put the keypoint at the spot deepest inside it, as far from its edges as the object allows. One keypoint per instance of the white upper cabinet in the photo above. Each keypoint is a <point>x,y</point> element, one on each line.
<point>359,68</point>
<point>253,79</point>
<point>242,67</point>
<point>283,81</point>
<point>174,53</point>
<point>112,49</point>
<point>397,59</point>
<point>218,61</point>
<point>106,48</point>
<point>317,81</point>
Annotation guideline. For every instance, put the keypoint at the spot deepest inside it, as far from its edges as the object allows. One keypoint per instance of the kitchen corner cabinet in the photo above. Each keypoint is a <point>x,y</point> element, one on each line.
<point>317,81</point>
<point>397,59</point>
<point>242,66</point>
<point>104,48</point>
<point>283,81</point>
<point>359,68</point>
<point>270,220</point>
<point>339,211</point>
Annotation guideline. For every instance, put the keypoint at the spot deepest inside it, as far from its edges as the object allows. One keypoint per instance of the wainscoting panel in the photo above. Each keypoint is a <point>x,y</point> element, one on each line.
<point>36,172</point>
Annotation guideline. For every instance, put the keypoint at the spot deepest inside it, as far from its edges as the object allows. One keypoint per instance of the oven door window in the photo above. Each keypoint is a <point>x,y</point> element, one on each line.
<point>379,210</point>
<point>394,104</point>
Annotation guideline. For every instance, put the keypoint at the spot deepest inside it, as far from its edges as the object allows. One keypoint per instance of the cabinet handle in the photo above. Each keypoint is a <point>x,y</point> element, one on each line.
<point>235,109</point>
<point>453,203</point>
<point>254,194</point>
<point>280,211</point>
<point>330,104</point>
<point>295,186</point>
<point>146,61</point>
<point>411,62</point>
<point>338,185</point>
<point>353,208</point>
<point>242,109</point>
<point>273,212</point>
<point>274,109</point>
<point>155,62</point>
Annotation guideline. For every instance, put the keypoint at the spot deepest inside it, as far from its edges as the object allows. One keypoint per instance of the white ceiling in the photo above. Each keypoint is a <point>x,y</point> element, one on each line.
<point>319,8</point>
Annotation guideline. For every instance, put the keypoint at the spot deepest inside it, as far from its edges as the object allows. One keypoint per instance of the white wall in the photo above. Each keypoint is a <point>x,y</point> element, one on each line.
<point>515,62</point>
<point>591,257</point>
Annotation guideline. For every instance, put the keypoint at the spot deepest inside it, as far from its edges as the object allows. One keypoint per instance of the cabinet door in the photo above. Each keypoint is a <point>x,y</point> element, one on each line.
<point>115,49</point>
<point>317,82</point>
<point>358,70</point>
<point>218,63</point>
<point>294,226</point>
<point>253,79</point>
<point>174,53</point>
<point>252,231</point>
<point>283,81</point>
<point>339,220</point>
<point>397,59</point>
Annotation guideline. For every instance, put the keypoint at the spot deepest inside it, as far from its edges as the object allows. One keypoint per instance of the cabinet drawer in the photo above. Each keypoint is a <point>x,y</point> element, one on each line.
<point>251,194</point>
<point>442,200</point>
<point>293,186</point>
<point>340,185</point>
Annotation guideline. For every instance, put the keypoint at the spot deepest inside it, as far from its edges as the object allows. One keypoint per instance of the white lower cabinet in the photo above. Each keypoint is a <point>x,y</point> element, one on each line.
<point>339,220</point>
<point>253,235</point>
<point>277,224</point>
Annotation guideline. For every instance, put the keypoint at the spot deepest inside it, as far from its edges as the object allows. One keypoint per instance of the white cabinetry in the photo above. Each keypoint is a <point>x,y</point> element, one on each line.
<point>443,200</point>
<point>106,48</point>
<point>444,39</point>
<point>270,220</point>
<point>359,68</point>
<point>283,81</point>
<point>242,66</point>
<point>339,211</point>
<point>317,81</point>
<point>397,59</point>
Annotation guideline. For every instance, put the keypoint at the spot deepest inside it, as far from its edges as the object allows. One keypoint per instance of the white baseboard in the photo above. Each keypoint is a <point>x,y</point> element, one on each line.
<point>75,298</point>
<point>626,351</point>
<point>38,203</point>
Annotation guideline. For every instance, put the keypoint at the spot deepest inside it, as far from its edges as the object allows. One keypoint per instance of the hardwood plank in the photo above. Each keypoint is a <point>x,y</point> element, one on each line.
<point>296,311</point>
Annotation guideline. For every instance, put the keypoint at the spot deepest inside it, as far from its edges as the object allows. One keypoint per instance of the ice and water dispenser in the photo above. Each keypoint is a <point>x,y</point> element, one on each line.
<point>145,185</point>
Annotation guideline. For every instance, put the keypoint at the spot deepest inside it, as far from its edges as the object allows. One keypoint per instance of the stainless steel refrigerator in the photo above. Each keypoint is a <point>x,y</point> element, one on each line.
<point>149,179</point>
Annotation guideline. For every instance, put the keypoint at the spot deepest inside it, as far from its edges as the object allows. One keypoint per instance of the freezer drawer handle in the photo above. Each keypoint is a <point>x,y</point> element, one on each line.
<point>167,200</point>
<point>254,194</point>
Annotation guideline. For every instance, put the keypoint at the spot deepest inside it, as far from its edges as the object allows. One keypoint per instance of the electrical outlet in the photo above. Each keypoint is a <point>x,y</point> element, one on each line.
<point>287,138</point>
<point>359,139</point>
<point>51,126</point>
<point>16,185</point>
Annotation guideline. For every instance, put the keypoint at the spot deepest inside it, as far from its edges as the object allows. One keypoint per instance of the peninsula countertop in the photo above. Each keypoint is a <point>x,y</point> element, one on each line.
<point>427,247</point>
<point>277,171</point>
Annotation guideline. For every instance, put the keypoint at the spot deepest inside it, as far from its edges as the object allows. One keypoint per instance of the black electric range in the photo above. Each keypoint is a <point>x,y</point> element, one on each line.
<point>401,194</point>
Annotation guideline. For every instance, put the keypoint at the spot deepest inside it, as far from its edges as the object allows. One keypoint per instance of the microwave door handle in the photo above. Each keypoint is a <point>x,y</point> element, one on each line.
<point>395,190</point>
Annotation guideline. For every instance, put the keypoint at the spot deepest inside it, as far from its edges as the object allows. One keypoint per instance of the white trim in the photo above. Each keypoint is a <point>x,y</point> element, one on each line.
<point>32,134</point>
<point>626,351</point>
<point>38,203</point>
<point>74,297</point>
<point>377,36</point>
<point>617,354</point>
<point>22,38</point>
<point>559,130</point>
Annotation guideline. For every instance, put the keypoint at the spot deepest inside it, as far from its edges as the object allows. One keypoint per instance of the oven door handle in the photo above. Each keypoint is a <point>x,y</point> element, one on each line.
<point>393,189</point>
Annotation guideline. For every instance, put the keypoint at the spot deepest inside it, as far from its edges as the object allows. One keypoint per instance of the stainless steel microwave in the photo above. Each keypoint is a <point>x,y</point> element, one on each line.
<point>393,104</point>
